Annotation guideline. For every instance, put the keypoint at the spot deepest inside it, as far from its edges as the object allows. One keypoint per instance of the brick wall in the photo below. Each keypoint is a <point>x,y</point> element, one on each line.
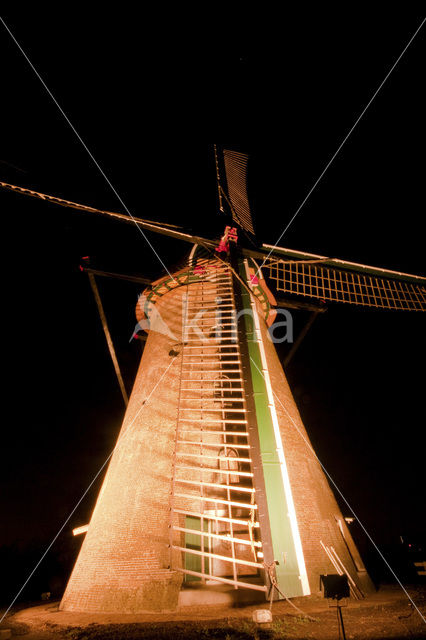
<point>316,508</point>
<point>124,561</point>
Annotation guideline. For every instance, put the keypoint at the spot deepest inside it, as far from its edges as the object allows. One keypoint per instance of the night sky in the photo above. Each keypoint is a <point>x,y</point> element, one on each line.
<point>149,98</point>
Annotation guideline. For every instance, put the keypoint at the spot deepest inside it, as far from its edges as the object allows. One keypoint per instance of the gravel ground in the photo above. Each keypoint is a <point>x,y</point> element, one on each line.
<point>386,614</point>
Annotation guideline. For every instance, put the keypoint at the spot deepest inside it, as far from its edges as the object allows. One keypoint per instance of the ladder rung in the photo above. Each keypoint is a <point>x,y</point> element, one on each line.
<point>229,323</point>
<point>227,309</point>
<point>220,324</point>
<point>212,400</point>
<point>212,389</point>
<point>208,334</point>
<point>236,583</point>
<point>225,379</point>
<point>213,367</point>
<point>209,339</point>
<point>206,554</point>
<point>204,456</point>
<point>211,355</point>
<point>212,315</point>
<point>209,363</point>
<point>219,305</point>
<point>199,443</point>
<point>208,296</point>
<point>220,431</point>
<point>215,351</point>
<point>218,536</point>
<point>212,328</point>
<point>246,474</point>
<point>232,350</point>
<point>213,485</point>
<point>236,368</point>
<point>208,421</point>
<point>224,325</point>
<point>216,394</point>
<point>198,410</point>
<point>204,336</point>
<point>212,363</point>
<point>198,329</point>
<point>216,366</point>
<point>209,516</point>
<point>244,505</point>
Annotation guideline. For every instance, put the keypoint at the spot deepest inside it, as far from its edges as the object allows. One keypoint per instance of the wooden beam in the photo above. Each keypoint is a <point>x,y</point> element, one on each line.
<point>302,306</point>
<point>276,252</point>
<point>108,337</point>
<point>118,276</point>
<point>300,338</point>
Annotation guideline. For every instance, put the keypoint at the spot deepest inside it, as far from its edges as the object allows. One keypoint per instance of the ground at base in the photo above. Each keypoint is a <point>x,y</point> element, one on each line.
<point>386,614</point>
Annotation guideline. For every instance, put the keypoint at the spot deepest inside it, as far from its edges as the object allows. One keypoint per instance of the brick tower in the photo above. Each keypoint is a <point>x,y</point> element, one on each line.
<point>213,480</point>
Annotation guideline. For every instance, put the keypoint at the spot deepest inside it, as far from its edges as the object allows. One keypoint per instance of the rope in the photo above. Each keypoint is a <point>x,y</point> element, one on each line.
<point>270,568</point>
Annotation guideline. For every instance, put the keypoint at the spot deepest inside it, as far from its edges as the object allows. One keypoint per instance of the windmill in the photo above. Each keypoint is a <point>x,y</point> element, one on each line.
<point>213,480</point>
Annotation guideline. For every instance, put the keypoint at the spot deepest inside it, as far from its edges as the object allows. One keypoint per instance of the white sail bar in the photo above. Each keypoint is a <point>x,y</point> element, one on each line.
<point>216,486</point>
<point>217,536</point>
<point>210,516</point>
<point>247,563</point>
<point>236,583</point>
<point>233,503</point>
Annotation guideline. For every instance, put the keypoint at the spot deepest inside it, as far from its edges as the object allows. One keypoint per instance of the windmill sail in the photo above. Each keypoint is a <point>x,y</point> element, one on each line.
<point>318,277</point>
<point>236,176</point>
<point>337,285</point>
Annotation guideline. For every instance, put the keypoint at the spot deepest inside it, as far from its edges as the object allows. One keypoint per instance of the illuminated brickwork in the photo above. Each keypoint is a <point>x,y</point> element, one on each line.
<point>316,508</point>
<point>124,563</point>
<point>124,560</point>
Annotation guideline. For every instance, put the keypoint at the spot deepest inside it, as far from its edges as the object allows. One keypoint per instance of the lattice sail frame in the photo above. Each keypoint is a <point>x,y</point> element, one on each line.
<point>236,178</point>
<point>311,279</point>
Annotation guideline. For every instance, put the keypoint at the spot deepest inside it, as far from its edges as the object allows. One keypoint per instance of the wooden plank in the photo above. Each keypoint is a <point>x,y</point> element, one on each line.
<point>238,583</point>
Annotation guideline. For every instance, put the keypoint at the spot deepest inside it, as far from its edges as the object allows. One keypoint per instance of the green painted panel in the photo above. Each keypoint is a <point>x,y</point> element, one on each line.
<point>282,536</point>
<point>193,541</point>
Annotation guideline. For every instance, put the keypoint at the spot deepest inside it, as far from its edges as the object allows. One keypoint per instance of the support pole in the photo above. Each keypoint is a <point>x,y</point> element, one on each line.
<point>300,337</point>
<point>339,609</point>
<point>108,337</point>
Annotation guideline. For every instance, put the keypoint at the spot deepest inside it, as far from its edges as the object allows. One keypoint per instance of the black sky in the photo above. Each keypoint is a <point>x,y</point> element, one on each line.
<point>149,97</point>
